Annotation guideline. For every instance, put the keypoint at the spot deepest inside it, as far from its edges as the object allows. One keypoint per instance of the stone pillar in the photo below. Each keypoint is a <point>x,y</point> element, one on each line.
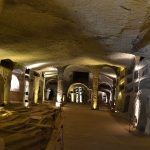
<point>22,86</point>
<point>7,85</point>
<point>26,88</point>
<point>1,89</point>
<point>95,104</point>
<point>5,78</point>
<point>36,89</point>
<point>60,85</point>
<point>43,89</point>
<point>147,127</point>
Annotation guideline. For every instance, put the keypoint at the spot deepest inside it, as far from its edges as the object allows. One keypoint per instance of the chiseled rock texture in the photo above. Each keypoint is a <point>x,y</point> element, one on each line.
<point>117,23</point>
<point>57,30</point>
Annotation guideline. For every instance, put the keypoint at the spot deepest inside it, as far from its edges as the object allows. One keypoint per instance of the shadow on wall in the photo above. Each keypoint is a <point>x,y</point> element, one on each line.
<point>40,92</point>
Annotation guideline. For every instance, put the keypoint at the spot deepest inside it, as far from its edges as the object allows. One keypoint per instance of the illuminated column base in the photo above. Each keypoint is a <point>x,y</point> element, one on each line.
<point>58,104</point>
<point>137,110</point>
<point>36,89</point>
<point>59,91</point>
<point>72,97</point>
<point>60,86</point>
<point>81,101</point>
<point>95,93</point>
<point>94,103</point>
<point>43,90</point>
<point>26,104</point>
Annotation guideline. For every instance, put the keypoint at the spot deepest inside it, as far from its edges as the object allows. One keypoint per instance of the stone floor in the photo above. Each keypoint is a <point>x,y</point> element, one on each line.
<point>27,128</point>
<point>85,129</point>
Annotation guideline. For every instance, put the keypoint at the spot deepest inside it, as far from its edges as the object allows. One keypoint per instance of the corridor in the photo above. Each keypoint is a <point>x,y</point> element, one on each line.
<point>85,129</point>
<point>81,56</point>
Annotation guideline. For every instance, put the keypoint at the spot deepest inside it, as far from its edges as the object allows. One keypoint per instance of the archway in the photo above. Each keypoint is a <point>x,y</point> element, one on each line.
<point>110,71</point>
<point>17,86</point>
<point>50,75</point>
<point>79,93</point>
<point>51,89</point>
<point>1,90</point>
<point>105,93</point>
<point>15,92</point>
<point>76,74</point>
<point>107,84</point>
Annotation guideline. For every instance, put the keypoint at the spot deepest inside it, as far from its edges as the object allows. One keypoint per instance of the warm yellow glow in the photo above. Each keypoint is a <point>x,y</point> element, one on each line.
<point>48,69</point>
<point>14,83</point>
<point>50,75</point>
<point>88,61</point>
<point>36,65</point>
<point>122,81</point>
<point>112,75</point>
<point>5,113</point>
<point>36,89</point>
<point>94,105</point>
<point>121,68</point>
<point>53,69</point>
<point>1,108</point>
<point>57,104</point>
<point>36,98</point>
<point>120,95</point>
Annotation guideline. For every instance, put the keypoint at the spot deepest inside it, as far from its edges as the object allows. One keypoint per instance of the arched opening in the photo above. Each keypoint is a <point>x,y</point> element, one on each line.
<point>76,74</point>
<point>107,86</point>
<point>1,90</point>
<point>17,86</point>
<point>51,89</point>
<point>78,93</point>
<point>105,94</point>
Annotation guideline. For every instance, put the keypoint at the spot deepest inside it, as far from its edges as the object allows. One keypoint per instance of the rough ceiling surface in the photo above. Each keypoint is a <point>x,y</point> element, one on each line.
<point>72,31</point>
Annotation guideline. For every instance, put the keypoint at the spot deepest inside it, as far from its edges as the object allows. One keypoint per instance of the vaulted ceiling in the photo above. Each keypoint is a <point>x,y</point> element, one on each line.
<point>73,31</point>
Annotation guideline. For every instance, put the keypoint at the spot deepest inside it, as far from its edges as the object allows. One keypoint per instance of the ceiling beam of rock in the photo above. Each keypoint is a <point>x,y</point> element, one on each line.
<point>70,32</point>
<point>117,23</point>
<point>141,44</point>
